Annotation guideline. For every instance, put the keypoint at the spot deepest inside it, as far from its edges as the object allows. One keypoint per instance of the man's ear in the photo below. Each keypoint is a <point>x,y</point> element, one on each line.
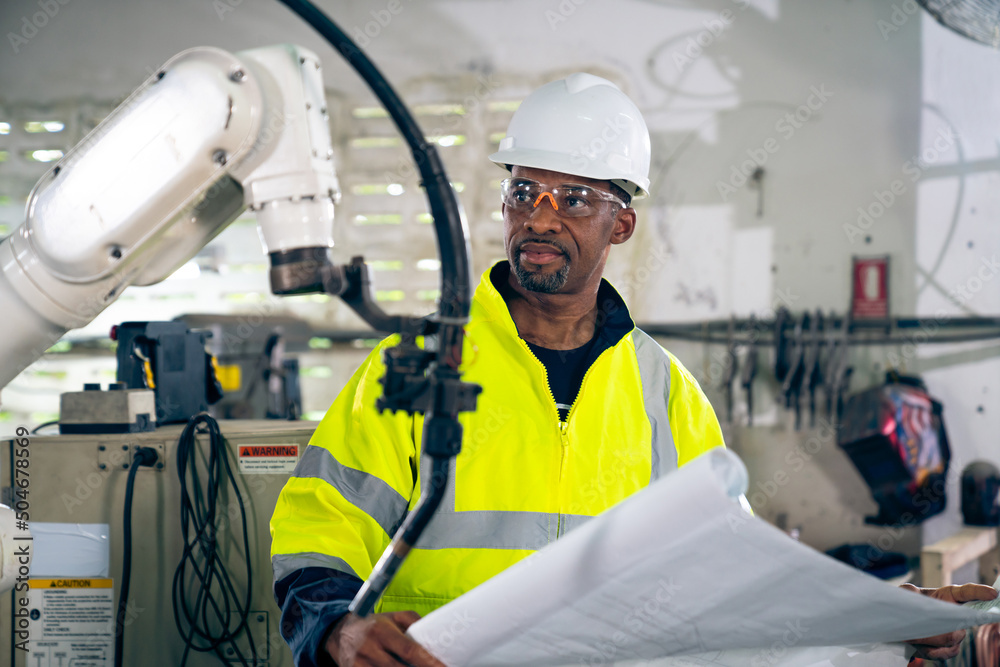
<point>624,226</point>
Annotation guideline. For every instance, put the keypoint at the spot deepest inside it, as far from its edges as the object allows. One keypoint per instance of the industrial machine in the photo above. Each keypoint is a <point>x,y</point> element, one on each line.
<point>209,134</point>
<point>78,524</point>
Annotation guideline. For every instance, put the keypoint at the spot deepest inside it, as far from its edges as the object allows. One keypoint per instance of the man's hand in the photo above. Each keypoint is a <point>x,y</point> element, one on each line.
<point>377,641</point>
<point>948,645</point>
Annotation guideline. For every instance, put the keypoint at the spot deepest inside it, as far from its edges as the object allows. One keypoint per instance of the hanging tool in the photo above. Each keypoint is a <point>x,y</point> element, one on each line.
<point>838,375</point>
<point>757,181</point>
<point>814,376</point>
<point>833,343</point>
<point>792,386</point>
<point>781,319</point>
<point>729,374</point>
<point>750,368</point>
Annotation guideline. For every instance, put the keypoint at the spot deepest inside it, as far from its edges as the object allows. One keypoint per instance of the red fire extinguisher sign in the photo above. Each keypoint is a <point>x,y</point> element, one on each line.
<point>870,288</point>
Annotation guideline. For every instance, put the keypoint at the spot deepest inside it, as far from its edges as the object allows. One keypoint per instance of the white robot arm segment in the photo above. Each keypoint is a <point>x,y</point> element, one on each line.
<point>182,157</point>
<point>289,178</point>
<point>142,166</point>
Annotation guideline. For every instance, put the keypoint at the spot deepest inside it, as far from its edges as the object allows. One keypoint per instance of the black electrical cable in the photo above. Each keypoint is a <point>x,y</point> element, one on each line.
<point>456,294</point>
<point>407,535</point>
<point>143,456</point>
<point>205,624</point>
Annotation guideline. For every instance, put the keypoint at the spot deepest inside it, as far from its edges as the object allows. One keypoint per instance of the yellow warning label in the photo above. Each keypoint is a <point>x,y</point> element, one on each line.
<point>70,583</point>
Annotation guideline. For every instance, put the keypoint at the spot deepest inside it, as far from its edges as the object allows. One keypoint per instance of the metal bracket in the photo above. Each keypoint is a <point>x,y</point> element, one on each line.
<point>161,454</point>
<point>118,456</point>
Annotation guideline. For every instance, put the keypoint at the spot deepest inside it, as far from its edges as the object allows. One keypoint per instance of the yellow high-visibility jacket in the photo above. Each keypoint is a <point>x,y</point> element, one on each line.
<point>523,478</point>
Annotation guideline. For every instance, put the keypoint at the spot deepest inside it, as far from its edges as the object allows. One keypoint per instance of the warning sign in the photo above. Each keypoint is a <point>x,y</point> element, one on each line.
<point>71,622</point>
<point>268,459</point>
<point>870,288</point>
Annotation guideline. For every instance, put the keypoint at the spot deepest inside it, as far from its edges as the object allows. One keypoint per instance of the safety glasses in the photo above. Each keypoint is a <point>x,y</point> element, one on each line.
<point>570,200</point>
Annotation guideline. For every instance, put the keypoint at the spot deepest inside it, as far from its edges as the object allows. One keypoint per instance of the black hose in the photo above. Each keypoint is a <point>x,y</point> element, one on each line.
<point>453,306</point>
<point>407,535</point>
<point>456,296</point>
<point>144,456</point>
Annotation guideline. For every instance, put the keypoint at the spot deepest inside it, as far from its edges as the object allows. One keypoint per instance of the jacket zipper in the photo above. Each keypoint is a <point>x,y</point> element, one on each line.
<point>564,433</point>
<point>564,439</point>
<point>545,374</point>
<point>560,425</point>
<point>563,426</point>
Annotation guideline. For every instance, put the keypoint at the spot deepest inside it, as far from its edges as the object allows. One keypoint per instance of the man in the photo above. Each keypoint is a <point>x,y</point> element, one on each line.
<point>579,408</point>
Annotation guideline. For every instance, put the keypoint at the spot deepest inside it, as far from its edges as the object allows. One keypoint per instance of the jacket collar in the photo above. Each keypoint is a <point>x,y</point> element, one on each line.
<point>614,320</point>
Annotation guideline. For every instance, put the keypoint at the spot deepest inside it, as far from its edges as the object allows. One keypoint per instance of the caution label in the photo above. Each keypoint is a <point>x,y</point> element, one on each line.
<point>71,622</point>
<point>268,459</point>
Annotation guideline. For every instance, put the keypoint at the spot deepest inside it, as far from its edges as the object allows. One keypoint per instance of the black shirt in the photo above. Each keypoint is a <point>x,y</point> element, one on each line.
<point>565,369</point>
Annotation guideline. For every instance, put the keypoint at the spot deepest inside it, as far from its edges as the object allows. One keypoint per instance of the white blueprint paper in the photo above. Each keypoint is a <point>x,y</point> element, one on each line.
<point>681,570</point>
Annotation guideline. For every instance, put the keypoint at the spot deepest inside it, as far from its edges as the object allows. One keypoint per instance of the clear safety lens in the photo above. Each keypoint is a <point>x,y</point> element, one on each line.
<point>570,200</point>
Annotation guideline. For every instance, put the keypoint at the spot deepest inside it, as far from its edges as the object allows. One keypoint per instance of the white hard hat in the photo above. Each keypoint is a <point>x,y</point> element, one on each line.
<point>582,125</point>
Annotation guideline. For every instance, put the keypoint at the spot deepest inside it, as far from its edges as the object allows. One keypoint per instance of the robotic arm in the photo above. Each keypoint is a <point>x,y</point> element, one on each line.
<point>210,134</point>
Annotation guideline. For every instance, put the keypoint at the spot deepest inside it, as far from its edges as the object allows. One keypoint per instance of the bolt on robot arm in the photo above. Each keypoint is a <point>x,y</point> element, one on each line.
<point>210,134</point>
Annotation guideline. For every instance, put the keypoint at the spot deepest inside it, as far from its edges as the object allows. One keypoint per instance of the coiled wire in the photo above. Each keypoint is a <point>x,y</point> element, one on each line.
<point>206,623</point>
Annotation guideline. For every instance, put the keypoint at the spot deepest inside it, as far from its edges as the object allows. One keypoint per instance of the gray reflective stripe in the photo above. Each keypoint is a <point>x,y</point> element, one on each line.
<point>654,371</point>
<point>449,529</point>
<point>367,492</point>
<point>572,522</point>
<point>285,564</point>
<point>496,530</point>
